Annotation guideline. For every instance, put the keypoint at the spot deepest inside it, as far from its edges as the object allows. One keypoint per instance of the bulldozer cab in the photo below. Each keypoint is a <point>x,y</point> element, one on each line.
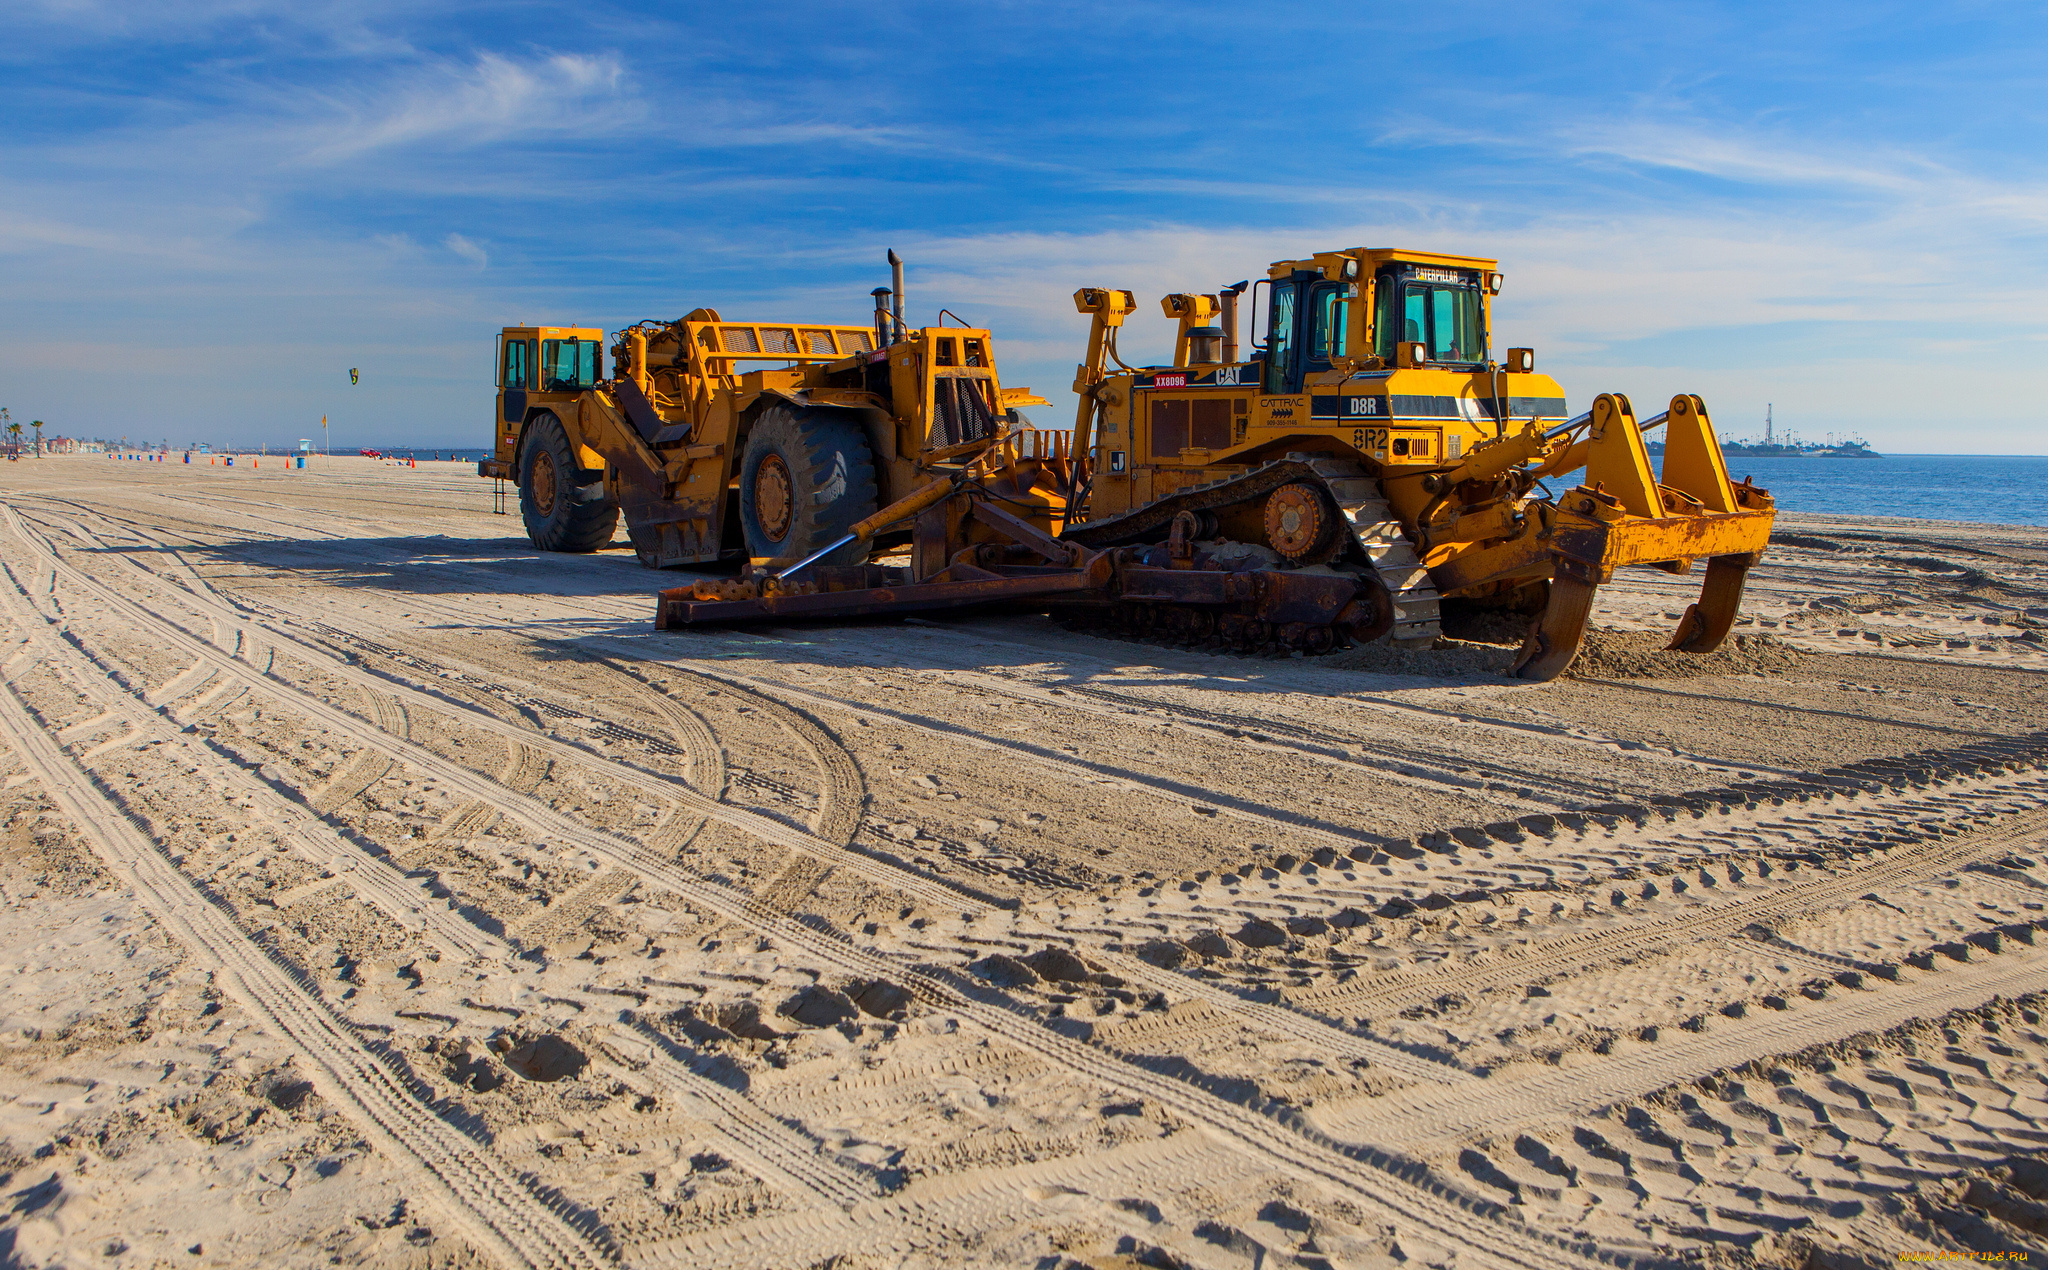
<point>1400,308</point>
<point>1306,325</point>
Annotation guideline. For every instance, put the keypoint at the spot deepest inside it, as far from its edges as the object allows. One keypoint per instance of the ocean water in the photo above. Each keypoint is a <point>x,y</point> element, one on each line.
<point>429,453</point>
<point>1986,488</point>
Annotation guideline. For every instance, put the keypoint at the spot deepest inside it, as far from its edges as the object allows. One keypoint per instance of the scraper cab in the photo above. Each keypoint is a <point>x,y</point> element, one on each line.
<point>1371,421</point>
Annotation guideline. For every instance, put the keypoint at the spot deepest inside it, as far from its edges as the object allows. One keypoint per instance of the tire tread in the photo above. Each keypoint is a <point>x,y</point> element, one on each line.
<point>818,445</point>
<point>589,519</point>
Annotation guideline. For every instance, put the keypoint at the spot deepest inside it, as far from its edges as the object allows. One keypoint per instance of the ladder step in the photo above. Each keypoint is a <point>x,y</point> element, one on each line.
<point>1417,607</point>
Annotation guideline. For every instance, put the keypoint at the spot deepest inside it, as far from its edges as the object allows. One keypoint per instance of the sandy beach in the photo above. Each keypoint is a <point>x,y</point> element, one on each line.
<point>377,891</point>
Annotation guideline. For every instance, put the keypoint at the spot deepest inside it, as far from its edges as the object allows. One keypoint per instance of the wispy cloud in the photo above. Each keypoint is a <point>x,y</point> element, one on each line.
<point>1752,155</point>
<point>474,105</point>
<point>466,249</point>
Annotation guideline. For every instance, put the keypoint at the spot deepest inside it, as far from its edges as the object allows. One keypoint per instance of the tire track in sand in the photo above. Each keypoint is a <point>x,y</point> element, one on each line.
<point>1092,772</point>
<point>842,792</point>
<point>1388,1187</point>
<point>783,893</point>
<point>1511,733</point>
<point>407,901</point>
<point>365,767</point>
<point>1322,1027</point>
<point>1293,740</point>
<point>940,894</point>
<point>491,1206</point>
<point>1065,765</point>
<point>1419,1117</point>
<point>1296,1016</point>
<point>760,1142</point>
<point>949,1212</point>
<point>1690,924</point>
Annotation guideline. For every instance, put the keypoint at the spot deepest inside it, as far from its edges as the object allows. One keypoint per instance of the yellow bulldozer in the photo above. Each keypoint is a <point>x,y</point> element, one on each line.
<point>1367,461</point>
<point>1373,427</point>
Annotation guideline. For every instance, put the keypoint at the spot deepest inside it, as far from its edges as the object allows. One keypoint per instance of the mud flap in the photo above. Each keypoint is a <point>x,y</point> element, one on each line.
<point>1555,635</point>
<point>1707,622</point>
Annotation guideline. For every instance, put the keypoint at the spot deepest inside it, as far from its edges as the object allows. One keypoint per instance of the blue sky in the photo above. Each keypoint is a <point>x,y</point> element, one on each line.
<point>210,210</point>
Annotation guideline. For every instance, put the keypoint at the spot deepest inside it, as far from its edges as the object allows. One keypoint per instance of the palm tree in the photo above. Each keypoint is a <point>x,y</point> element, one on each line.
<point>37,424</point>
<point>14,430</point>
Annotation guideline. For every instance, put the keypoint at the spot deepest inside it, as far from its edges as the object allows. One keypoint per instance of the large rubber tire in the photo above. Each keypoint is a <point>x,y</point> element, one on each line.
<point>805,477</point>
<point>562,511</point>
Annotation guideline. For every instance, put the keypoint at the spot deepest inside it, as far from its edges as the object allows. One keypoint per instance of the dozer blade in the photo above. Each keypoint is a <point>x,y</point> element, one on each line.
<point>1555,634</point>
<point>1706,623</point>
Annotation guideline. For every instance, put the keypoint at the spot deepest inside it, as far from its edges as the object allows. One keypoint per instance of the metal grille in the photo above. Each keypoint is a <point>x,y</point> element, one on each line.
<point>1209,423</point>
<point>739,339</point>
<point>1169,427</point>
<point>854,342</point>
<point>778,339</point>
<point>960,411</point>
<point>819,343</point>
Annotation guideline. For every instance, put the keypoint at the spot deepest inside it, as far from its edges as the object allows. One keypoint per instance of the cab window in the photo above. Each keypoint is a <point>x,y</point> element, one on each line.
<point>568,365</point>
<point>1445,319</point>
<point>1329,319</point>
<point>516,353</point>
<point>1280,338</point>
<point>1386,327</point>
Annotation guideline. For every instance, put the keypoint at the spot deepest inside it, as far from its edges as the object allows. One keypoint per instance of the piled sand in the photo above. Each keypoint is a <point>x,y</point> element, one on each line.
<point>379,892</point>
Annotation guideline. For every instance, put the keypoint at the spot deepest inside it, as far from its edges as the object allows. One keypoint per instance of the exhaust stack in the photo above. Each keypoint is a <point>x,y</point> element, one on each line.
<point>1229,305</point>
<point>896,281</point>
<point>881,295</point>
